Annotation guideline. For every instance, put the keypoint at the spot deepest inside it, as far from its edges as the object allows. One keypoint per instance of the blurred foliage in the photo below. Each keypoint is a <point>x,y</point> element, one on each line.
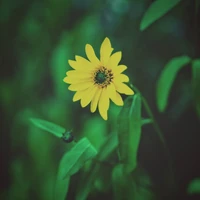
<point>37,39</point>
<point>156,10</point>
<point>196,83</point>
<point>194,186</point>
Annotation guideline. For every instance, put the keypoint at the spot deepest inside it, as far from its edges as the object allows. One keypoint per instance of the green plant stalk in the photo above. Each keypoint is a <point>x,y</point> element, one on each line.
<point>157,129</point>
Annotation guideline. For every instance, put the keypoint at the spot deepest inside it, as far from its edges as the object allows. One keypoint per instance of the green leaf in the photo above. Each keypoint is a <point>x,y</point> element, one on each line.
<point>121,184</point>
<point>136,185</point>
<point>196,83</point>
<point>167,78</point>
<point>61,188</point>
<point>156,10</point>
<point>129,131</point>
<point>74,159</point>
<point>71,162</point>
<point>108,147</point>
<point>147,121</point>
<point>87,182</point>
<point>194,186</point>
<point>48,126</point>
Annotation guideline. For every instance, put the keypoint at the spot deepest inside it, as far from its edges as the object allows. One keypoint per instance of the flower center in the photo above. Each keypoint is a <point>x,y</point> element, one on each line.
<point>103,77</point>
<point>100,77</point>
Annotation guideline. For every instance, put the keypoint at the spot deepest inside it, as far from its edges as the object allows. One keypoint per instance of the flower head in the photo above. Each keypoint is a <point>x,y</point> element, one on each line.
<point>96,81</point>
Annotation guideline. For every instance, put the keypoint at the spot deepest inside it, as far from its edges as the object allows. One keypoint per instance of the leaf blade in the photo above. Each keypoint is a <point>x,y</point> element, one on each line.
<point>74,159</point>
<point>105,151</point>
<point>196,83</point>
<point>70,163</point>
<point>129,131</point>
<point>48,126</point>
<point>167,78</point>
<point>156,10</point>
<point>61,188</point>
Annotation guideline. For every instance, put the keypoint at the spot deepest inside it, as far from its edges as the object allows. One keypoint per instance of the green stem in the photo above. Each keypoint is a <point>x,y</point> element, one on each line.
<point>150,113</point>
<point>157,128</point>
<point>155,124</point>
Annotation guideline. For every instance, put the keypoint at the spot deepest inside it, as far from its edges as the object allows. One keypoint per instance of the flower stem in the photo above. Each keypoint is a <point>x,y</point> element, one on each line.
<point>157,129</point>
<point>150,113</point>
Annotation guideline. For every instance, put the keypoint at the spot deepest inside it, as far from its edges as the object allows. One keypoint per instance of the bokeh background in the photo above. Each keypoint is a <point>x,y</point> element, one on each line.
<point>38,37</point>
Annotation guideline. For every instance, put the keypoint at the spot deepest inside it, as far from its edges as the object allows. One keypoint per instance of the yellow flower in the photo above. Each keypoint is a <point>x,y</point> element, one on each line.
<point>97,81</point>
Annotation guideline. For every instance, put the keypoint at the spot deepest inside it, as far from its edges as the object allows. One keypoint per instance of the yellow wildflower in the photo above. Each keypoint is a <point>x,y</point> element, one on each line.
<point>97,81</point>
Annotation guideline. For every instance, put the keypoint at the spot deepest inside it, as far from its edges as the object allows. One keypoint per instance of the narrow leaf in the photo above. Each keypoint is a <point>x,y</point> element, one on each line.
<point>167,78</point>
<point>70,163</point>
<point>87,182</point>
<point>48,126</point>
<point>196,83</point>
<point>146,121</point>
<point>156,10</point>
<point>74,159</point>
<point>61,188</point>
<point>129,131</point>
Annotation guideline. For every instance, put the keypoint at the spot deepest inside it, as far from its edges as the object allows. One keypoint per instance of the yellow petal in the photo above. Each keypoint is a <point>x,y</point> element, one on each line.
<point>95,100</point>
<point>105,51</point>
<point>119,100</point>
<point>114,59</point>
<point>67,80</point>
<point>78,95</point>
<point>80,86</point>
<point>77,74</point>
<point>91,54</point>
<point>111,90</point>
<point>80,65</point>
<point>103,104</point>
<point>114,96</point>
<point>124,89</point>
<point>74,80</point>
<point>119,69</point>
<point>122,78</point>
<point>83,63</point>
<point>73,64</point>
<point>88,95</point>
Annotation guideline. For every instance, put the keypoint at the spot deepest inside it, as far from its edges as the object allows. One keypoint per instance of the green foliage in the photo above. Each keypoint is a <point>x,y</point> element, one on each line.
<point>96,133</point>
<point>136,185</point>
<point>146,121</point>
<point>59,63</point>
<point>74,159</point>
<point>167,78</point>
<point>129,131</point>
<point>61,188</point>
<point>71,162</point>
<point>41,148</point>
<point>48,126</point>
<point>123,184</point>
<point>196,83</point>
<point>97,166</point>
<point>194,186</point>
<point>156,10</point>
<point>20,182</point>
